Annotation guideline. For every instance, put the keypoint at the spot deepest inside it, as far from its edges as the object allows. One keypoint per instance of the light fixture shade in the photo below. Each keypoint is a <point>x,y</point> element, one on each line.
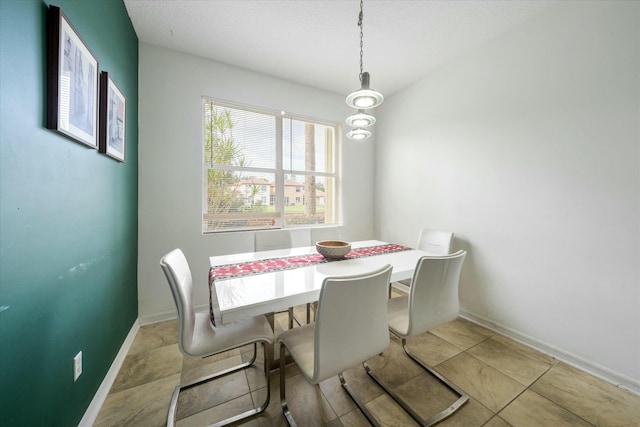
<point>360,120</point>
<point>358,134</point>
<point>365,97</point>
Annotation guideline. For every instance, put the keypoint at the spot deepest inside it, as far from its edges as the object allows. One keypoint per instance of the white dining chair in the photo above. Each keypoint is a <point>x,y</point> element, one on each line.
<point>269,240</point>
<point>199,338</point>
<point>324,233</point>
<point>435,241</point>
<point>351,327</point>
<point>432,301</point>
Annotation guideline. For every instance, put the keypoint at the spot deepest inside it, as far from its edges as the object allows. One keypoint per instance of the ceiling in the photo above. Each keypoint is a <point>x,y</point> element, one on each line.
<point>316,42</point>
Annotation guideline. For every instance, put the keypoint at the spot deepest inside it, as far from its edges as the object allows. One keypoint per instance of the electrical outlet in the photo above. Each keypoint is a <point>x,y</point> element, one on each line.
<point>77,366</point>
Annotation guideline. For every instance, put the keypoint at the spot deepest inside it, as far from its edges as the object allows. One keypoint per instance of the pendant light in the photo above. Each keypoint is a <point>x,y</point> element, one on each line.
<point>365,97</point>
<point>362,99</point>
<point>361,119</point>
<point>358,134</point>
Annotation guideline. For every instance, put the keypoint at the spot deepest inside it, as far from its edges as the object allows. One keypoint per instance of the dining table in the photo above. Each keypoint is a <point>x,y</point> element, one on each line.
<point>254,283</point>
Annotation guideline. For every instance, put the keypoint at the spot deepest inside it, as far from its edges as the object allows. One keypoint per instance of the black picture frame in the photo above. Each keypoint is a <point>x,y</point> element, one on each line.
<point>72,81</point>
<point>113,105</point>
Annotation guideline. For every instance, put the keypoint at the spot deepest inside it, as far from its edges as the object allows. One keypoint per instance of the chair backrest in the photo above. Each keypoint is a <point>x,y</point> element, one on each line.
<point>351,323</point>
<point>435,241</point>
<point>176,269</point>
<point>324,233</point>
<point>269,240</point>
<point>433,294</point>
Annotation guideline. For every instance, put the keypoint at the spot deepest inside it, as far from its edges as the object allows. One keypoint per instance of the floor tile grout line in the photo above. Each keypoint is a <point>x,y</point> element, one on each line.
<point>528,388</point>
<point>557,403</point>
<point>560,406</point>
<point>508,376</point>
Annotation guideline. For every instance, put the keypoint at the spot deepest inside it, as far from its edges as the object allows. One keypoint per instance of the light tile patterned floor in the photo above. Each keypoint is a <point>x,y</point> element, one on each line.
<point>509,384</point>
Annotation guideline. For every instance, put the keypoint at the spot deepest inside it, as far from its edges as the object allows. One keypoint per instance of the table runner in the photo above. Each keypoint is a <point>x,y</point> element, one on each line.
<point>248,268</point>
<point>295,261</point>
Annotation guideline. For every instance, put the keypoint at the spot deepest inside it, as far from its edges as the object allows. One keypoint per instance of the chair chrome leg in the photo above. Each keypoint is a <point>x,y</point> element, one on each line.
<point>255,354</point>
<point>293,317</point>
<point>283,400</point>
<point>347,387</point>
<point>311,307</point>
<point>176,392</point>
<point>462,399</point>
<point>358,402</point>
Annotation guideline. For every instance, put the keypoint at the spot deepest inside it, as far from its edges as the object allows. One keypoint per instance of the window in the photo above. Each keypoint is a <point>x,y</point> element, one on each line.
<point>255,162</point>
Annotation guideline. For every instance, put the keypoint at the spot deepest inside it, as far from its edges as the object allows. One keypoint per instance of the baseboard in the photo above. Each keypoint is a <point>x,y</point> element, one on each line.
<point>606,374</point>
<point>158,317</point>
<point>91,414</point>
<point>167,315</point>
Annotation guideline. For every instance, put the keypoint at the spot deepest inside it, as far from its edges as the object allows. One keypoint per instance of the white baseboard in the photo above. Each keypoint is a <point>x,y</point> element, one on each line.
<point>158,317</point>
<point>606,374</point>
<point>167,315</point>
<point>91,414</point>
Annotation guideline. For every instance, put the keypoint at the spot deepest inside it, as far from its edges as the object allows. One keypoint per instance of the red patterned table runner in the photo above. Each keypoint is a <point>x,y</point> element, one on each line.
<point>295,261</point>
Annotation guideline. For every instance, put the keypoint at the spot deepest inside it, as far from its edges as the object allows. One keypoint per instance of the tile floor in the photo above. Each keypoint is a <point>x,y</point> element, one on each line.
<point>508,383</point>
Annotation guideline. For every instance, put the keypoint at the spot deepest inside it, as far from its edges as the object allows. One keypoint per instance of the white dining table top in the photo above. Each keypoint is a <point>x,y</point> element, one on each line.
<point>274,291</point>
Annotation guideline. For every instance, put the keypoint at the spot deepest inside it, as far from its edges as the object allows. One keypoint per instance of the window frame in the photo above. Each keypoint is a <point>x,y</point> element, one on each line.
<point>333,156</point>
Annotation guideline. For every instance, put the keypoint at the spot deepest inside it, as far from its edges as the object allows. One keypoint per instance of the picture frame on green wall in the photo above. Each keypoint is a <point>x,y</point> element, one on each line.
<point>72,82</point>
<point>112,118</point>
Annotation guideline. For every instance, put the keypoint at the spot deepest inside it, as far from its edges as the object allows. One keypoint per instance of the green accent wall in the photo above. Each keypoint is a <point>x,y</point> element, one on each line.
<point>68,222</point>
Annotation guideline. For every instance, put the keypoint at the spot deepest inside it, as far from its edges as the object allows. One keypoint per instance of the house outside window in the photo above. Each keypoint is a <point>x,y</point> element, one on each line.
<point>255,162</point>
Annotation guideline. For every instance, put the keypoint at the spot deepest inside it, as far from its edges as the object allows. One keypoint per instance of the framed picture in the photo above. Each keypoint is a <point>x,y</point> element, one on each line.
<point>112,118</point>
<point>72,82</point>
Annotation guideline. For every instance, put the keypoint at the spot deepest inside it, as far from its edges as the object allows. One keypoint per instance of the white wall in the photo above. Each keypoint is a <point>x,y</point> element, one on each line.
<point>171,88</point>
<point>528,149</point>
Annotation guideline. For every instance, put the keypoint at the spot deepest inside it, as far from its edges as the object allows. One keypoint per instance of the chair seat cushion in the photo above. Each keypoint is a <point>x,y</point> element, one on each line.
<point>300,343</point>
<point>398,315</point>
<point>208,339</point>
